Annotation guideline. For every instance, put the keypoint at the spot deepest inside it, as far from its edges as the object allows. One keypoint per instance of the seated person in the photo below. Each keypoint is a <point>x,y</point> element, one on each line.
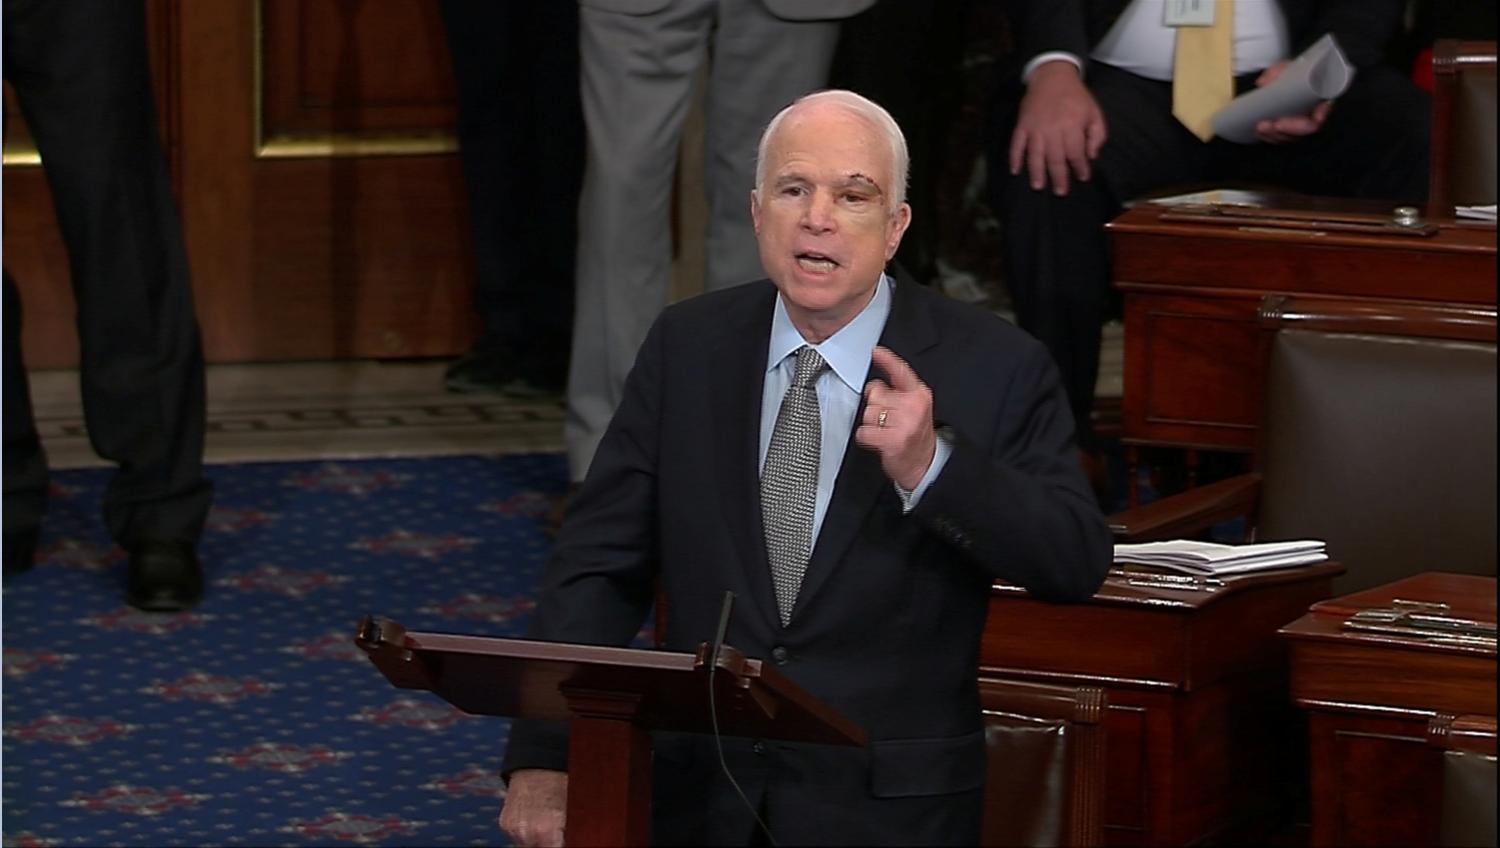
<point>857,460</point>
<point>1088,124</point>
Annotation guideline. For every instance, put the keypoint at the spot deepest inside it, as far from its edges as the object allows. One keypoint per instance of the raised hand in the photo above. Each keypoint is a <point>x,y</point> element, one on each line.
<point>897,422</point>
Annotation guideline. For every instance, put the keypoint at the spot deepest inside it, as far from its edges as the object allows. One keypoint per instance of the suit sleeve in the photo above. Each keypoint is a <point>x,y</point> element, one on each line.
<point>1038,26</point>
<point>1015,500</point>
<point>600,581</point>
<point>1364,28</point>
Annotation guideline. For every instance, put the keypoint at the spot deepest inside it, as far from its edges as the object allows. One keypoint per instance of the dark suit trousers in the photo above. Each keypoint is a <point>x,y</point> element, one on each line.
<point>1374,145</point>
<point>520,133</point>
<point>79,70</point>
<point>907,56</point>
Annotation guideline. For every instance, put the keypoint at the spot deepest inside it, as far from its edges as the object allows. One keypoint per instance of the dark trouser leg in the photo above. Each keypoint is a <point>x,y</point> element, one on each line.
<point>521,136</point>
<point>1056,253</point>
<point>80,72</point>
<point>906,56</point>
<point>25,463</point>
<point>1058,276</point>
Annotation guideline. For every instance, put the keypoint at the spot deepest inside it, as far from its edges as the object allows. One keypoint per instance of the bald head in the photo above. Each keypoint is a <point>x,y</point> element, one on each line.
<point>868,111</point>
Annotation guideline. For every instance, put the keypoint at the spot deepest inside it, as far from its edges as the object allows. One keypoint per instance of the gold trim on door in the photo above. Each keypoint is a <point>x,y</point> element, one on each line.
<point>334,144</point>
<point>21,155</point>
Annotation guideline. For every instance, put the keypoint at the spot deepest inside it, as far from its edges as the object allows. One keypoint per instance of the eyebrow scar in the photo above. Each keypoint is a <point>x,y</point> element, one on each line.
<point>862,179</point>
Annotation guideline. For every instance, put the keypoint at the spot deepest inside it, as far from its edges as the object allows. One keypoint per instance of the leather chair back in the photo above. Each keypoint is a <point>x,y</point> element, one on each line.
<point>1468,808</point>
<point>1384,446</point>
<point>1463,125</point>
<point>1045,780</point>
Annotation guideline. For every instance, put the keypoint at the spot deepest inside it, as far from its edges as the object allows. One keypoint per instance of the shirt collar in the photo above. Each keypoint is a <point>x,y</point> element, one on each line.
<point>847,351</point>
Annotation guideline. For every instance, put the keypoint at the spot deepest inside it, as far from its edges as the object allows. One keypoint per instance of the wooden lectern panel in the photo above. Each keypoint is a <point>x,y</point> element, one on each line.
<point>542,680</point>
<point>611,698</point>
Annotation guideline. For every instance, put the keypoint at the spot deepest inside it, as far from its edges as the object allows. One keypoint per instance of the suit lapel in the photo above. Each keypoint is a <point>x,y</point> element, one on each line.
<point>736,405</point>
<point>861,483</point>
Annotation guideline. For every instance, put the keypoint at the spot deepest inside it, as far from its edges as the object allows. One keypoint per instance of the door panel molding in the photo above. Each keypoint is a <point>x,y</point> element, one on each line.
<point>322,88</point>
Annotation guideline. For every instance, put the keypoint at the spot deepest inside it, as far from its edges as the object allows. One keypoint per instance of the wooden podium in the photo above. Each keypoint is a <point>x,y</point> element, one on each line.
<point>1377,691</point>
<point>612,698</point>
<point>1198,731</point>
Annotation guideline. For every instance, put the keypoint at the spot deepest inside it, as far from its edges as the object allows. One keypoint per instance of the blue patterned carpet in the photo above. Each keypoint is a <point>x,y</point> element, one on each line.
<point>254,720</point>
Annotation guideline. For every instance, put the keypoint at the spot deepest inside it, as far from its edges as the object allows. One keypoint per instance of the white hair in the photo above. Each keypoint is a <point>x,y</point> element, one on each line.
<point>865,108</point>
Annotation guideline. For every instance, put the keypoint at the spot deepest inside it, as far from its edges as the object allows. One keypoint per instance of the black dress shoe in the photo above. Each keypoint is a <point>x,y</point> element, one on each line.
<point>499,374</point>
<point>164,576</point>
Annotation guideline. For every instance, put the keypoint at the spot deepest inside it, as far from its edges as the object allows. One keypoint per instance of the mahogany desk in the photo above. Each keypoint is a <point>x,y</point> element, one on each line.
<point>1371,700</point>
<point>1193,284</point>
<point>1199,732</point>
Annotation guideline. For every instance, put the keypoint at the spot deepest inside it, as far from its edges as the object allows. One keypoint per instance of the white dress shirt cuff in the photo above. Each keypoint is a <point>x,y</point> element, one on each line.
<point>940,456</point>
<point>1050,56</point>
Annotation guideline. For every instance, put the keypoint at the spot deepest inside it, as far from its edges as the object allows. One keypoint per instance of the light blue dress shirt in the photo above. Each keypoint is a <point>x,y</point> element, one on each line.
<point>840,387</point>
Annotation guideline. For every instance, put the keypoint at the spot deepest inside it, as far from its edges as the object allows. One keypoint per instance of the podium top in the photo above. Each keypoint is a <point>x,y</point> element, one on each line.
<point>553,681</point>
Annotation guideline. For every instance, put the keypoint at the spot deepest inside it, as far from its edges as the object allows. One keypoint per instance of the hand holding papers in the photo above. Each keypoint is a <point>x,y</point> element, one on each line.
<point>1212,559</point>
<point>1320,73</point>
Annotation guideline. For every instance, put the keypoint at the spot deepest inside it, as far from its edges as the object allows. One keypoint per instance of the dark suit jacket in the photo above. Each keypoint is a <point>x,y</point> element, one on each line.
<point>886,627</point>
<point>1363,27</point>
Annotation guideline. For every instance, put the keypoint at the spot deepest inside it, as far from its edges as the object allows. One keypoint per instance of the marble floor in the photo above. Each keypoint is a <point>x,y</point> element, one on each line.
<point>332,410</point>
<point>354,409</point>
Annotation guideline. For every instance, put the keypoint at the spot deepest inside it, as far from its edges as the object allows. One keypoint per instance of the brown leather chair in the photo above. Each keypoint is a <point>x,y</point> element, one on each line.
<point>1463,126</point>
<point>1468,807</point>
<point>1045,784</point>
<point>1379,437</point>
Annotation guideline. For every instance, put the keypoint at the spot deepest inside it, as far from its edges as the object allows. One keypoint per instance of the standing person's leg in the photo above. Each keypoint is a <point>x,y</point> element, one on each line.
<point>1056,256</point>
<point>81,75</point>
<point>521,136</point>
<point>555,177</point>
<point>906,56</point>
<point>25,462</point>
<point>760,64</point>
<point>636,77</point>
<point>492,136</point>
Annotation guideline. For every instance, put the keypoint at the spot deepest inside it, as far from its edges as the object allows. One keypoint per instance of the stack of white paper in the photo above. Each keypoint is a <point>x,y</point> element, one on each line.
<point>1476,213</point>
<point>1216,559</point>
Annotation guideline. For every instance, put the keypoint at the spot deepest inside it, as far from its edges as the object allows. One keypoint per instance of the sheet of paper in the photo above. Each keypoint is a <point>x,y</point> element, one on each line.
<point>1214,197</point>
<point>1320,73</point>
<point>1476,213</point>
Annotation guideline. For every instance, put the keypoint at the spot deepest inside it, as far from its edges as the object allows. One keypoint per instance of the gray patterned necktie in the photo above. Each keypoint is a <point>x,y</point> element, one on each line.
<point>789,483</point>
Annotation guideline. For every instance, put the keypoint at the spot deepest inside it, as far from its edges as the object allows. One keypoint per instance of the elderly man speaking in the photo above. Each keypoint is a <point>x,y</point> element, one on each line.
<point>857,461</point>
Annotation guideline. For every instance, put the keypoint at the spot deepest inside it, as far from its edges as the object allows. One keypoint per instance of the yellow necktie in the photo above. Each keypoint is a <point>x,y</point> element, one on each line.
<point>1203,72</point>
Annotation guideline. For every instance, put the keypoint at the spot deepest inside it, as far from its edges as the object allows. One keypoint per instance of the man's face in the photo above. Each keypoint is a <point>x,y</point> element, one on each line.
<point>822,216</point>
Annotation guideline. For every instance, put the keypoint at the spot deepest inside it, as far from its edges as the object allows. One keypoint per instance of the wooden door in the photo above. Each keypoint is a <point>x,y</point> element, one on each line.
<point>322,203</point>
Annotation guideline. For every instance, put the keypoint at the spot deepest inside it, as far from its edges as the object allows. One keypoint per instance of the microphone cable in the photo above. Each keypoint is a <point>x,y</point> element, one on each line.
<point>713,716</point>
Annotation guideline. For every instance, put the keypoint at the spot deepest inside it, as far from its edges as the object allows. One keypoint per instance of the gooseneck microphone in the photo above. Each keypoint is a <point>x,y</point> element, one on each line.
<point>713,710</point>
<point>718,645</point>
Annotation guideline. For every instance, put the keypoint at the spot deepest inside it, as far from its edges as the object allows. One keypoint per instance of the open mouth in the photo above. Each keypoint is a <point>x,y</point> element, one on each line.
<point>817,263</point>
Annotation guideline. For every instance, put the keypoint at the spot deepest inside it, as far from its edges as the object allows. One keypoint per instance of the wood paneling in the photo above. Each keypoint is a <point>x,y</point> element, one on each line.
<point>1375,701</point>
<point>1201,740</point>
<point>322,204</point>
<point>353,73</point>
<point>1193,290</point>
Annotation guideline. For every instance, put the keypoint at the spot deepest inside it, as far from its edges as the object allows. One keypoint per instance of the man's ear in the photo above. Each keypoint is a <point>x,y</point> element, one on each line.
<point>755,210</point>
<point>899,222</point>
